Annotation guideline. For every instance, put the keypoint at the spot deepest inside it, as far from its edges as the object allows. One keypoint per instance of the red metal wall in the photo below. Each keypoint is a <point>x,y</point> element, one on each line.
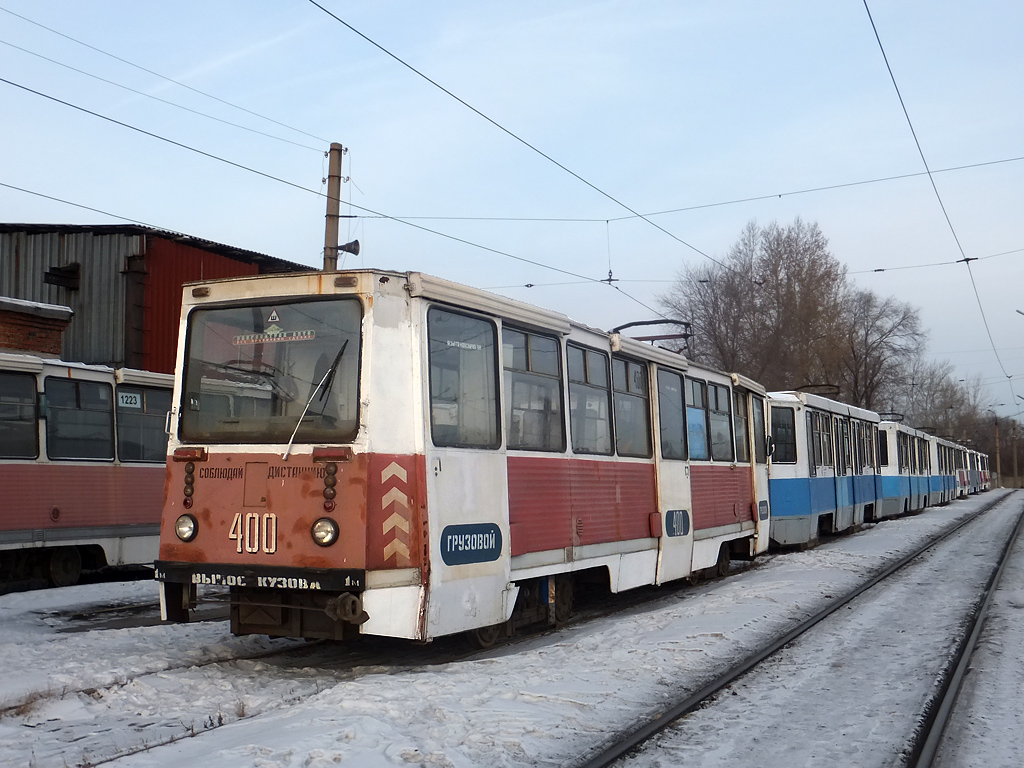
<point>168,266</point>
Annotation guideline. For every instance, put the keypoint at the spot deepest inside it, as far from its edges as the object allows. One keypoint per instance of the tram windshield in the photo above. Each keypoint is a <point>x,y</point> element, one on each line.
<point>255,373</point>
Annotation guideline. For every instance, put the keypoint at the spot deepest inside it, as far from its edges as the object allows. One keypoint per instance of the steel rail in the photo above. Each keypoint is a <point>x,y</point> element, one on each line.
<point>630,740</point>
<point>925,745</point>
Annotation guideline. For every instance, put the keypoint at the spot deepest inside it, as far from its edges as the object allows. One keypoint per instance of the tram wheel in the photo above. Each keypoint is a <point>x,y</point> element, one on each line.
<point>722,568</point>
<point>485,637</point>
<point>563,600</point>
<point>64,567</point>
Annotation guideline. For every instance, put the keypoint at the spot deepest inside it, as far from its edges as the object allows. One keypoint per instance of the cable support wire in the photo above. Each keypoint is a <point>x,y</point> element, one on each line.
<point>163,77</point>
<point>934,264</point>
<point>720,203</point>
<point>308,189</point>
<point>157,98</point>
<point>967,261</point>
<point>87,207</point>
<point>634,214</point>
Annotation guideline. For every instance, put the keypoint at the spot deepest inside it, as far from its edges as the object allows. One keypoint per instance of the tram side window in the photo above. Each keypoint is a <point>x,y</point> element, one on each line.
<point>141,415</point>
<point>842,432</point>
<point>813,443</point>
<point>19,436</point>
<point>463,382</point>
<point>867,457</point>
<point>533,386</point>
<point>784,435</point>
<point>760,436</point>
<point>697,420</point>
<point>632,408</point>
<point>883,448</point>
<point>857,446</point>
<point>79,419</point>
<point>671,415</point>
<point>720,420</point>
<point>740,425</point>
<point>589,401</point>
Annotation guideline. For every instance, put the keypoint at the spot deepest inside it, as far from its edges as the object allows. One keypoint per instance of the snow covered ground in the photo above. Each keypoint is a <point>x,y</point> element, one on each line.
<point>545,700</point>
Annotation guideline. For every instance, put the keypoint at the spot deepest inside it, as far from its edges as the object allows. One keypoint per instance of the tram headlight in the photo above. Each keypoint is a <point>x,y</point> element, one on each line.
<point>186,528</point>
<point>324,531</point>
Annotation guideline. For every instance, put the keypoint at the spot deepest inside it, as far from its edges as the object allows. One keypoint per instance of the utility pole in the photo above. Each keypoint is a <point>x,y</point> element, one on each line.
<point>1016,483</point>
<point>999,471</point>
<point>333,208</point>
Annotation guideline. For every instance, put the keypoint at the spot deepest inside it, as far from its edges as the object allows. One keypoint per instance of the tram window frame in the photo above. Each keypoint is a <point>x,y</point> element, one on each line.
<point>785,444</point>
<point>842,435</point>
<point>883,448</point>
<point>532,386</point>
<point>146,421</point>
<point>672,415</point>
<point>19,416</point>
<point>237,388</point>
<point>741,425</point>
<point>697,420</point>
<point>590,401</point>
<point>631,400</point>
<point>59,417</point>
<point>760,432</point>
<point>857,445</point>
<point>813,443</point>
<point>723,447</point>
<point>483,429</point>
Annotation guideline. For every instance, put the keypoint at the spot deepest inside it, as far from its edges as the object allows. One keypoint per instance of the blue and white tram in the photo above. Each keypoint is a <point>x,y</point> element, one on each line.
<point>943,485</point>
<point>904,472</point>
<point>823,467</point>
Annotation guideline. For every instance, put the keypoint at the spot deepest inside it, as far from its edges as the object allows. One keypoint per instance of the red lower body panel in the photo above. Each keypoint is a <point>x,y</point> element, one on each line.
<point>558,502</point>
<point>721,495</point>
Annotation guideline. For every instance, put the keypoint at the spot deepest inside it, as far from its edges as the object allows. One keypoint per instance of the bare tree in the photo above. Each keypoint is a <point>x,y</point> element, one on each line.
<point>880,336</point>
<point>770,309</point>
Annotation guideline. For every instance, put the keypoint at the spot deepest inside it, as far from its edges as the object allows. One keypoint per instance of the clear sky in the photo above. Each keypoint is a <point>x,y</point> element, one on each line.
<point>721,112</point>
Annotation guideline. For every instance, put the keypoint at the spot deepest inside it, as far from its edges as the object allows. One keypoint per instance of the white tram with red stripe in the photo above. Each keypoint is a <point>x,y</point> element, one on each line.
<point>82,455</point>
<point>393,454</point>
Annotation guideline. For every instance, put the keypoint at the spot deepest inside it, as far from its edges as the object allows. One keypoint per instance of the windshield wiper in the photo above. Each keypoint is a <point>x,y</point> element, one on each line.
<point>328,375</point>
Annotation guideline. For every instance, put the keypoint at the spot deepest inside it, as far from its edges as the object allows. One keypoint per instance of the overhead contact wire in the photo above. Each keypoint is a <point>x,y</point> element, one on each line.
<point>967,261</point>
<point>514,136</point>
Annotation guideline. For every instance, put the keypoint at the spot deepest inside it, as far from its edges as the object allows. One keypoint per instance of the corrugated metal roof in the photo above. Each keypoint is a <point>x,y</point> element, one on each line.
<point>265,262</point>
<point>84,267</point>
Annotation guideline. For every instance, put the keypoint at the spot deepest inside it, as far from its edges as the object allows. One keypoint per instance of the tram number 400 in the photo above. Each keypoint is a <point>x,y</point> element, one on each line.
<point>254,532</point>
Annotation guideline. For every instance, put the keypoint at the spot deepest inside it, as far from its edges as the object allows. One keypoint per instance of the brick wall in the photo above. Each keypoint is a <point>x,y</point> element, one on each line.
<point>28,333</point>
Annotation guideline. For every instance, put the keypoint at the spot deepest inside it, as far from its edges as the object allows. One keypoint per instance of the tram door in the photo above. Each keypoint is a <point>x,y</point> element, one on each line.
<point>675,555</point>
<point>844,479</point>
<point>467,484</point>
<point>759,437</point>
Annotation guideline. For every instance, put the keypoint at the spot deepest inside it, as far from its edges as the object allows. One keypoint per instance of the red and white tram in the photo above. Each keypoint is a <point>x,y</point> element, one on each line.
<point>82,456</point>
<point>393,454</point>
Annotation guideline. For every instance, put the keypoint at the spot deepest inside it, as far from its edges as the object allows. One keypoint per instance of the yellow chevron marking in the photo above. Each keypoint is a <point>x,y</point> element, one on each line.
<point>396,521</point>
<point>396,546</point>
<point>394,469</point>
<point>392,496</point>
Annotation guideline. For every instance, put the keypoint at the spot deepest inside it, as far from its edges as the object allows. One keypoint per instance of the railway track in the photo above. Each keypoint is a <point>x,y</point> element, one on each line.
<point>133,716</point>
<point>819,659</point>
<point>152,709</point>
